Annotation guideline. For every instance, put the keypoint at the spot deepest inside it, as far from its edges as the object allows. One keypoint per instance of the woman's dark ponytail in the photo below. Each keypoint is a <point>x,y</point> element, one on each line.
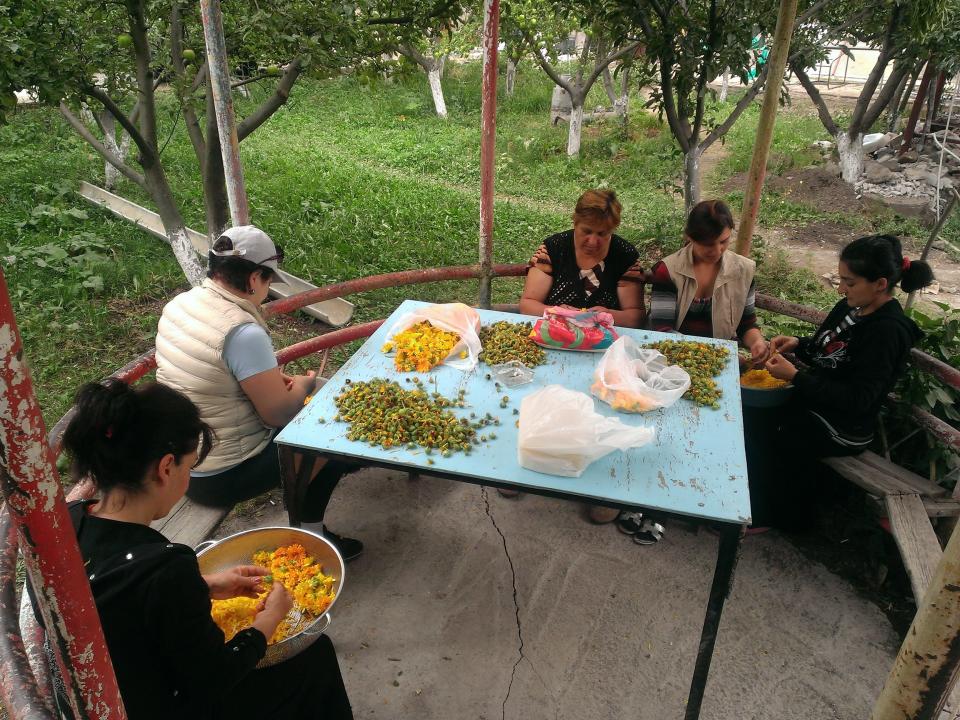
<point>118,432</point>
<point>881,256</point>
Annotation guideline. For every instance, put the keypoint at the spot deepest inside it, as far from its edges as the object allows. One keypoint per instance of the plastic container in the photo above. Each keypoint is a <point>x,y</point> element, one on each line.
<point>512,373</point>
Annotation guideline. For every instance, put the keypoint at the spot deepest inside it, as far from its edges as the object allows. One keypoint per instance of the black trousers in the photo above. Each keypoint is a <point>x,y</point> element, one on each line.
<point>308,686</point>
<point>784,447</point>
<point>257,475</point>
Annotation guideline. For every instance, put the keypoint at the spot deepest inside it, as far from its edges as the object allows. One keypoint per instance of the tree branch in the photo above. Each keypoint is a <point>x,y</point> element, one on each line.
<point>143,146</point>
<point>419,58</point>
<point>857,124</point>
<point>720,130</point>
<point>84,132</point>
<point>440,9</point>
<point>179,67</point>
<point>886,93</point>
<point>548,69</point>
<point>273,103</point>
<point>608,60</point>
<point>822,110</point>
<point>705,73</point>
<point>142,56</point>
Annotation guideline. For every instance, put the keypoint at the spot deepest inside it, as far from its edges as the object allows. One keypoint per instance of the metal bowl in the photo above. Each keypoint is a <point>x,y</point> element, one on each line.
<point>238,549</point>
<point>765,398</point>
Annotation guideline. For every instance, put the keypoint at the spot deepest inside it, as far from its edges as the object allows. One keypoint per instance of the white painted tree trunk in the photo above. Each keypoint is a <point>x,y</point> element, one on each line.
<point>724,84</point>
<point>437,91</point>
<point>851,156</point>
<point>511,76</point>
<point>691,178</point>
<point>186,255</point>
<point>576,125</point>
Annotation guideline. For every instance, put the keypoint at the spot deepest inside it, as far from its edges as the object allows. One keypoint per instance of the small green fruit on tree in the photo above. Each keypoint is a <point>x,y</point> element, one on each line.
<point>273,70</point>
<point>124,40</point>
<point>189,55</point>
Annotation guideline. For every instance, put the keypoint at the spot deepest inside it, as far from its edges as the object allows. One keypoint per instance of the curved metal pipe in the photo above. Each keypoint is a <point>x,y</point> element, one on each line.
<point>22,697</point>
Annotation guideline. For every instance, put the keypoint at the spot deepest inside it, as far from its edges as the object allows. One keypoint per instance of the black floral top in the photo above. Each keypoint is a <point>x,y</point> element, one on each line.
<point>569,286</point>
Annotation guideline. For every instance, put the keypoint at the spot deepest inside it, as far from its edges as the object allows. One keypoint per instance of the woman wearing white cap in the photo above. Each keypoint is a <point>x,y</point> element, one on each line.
<point>213,346</point>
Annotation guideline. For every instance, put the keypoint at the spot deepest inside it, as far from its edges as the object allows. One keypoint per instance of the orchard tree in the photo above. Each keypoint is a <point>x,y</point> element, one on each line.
<point>430,49</point>
<point>546,27</point>
<point>112,57</point>
<point>687,45</point>
<point>906,32</point>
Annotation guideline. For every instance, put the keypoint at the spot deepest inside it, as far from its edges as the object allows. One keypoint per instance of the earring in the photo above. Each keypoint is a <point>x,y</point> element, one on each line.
<point>251,291</point>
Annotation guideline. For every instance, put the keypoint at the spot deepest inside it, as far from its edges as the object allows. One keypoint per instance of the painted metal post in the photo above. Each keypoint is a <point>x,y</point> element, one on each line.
<point>223,106</point>
<point>768,117</point>
<point>488,138</point>
<point>922,675</point>
<point>31,487</point>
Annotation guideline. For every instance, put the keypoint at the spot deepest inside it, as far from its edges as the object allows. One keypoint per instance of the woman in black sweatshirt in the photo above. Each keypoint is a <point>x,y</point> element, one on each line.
<point>851,362</point>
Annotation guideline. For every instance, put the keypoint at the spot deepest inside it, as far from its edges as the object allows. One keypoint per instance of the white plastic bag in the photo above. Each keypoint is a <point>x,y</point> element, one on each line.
<point>561,433</point>
<point>452,317</point>
<point>630,378</point>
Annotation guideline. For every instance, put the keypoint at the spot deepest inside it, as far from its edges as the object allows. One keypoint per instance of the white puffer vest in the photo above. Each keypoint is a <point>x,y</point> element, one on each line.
<point>190,340</point>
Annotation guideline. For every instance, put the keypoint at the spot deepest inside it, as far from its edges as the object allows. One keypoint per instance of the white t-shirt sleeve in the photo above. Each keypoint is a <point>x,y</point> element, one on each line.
<point>247,351</point>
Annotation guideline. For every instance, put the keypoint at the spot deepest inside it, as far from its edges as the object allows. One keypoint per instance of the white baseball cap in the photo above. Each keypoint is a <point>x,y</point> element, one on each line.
<point>253,244</point>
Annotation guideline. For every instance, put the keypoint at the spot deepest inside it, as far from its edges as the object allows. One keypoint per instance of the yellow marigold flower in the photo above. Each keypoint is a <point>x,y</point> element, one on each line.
<point>421,347</point>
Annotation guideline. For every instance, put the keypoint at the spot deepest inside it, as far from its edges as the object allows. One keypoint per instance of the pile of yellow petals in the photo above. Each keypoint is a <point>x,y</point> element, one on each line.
<point>421,347</point>
<point>761,380</point>
<point>300,574</point>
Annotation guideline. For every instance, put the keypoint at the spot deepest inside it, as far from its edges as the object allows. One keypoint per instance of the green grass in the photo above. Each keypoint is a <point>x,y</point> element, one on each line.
<point>354,178</point>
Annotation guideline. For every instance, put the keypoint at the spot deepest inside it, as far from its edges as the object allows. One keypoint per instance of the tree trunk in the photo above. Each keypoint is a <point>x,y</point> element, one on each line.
<point>108,125</point>
<point>576,125</point>
<point>691,178</point>
<point>620,105</point>
<point>216,203</point>
<point>511,76</point>
<point>897,104</point>
<point>433,75</point>
<point>851,156</point>
<point>172,220</point>
<point>724,85</point>
<point>608,86</point>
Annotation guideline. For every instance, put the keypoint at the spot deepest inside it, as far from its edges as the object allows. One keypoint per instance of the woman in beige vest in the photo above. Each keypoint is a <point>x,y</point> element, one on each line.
<point>214,347</point>
<point>706,291</point>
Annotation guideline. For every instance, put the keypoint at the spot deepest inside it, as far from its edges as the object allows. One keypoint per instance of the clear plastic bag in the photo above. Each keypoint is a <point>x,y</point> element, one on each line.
<point>561,433</point>
<point>630,378</point>
<point>452,317</point>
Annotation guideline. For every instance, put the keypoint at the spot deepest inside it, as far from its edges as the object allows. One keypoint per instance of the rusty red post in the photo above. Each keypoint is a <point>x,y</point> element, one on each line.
<point>488,139</point>
<point>31,488</point>
<point>223,106</point>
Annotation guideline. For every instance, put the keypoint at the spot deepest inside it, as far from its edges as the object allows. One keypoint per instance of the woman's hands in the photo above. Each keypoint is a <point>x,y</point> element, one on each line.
<point>783,344</point>
<point>759,351</point>
<point>781,368</point>
<point>241,581</point>
<point>273,609</point>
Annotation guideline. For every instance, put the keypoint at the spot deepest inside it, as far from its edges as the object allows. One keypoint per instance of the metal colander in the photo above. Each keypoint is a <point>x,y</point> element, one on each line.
<point>218,555</point>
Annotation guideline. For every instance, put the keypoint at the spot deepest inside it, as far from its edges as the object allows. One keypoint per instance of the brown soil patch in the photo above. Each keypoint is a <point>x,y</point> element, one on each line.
<point>809,186</point>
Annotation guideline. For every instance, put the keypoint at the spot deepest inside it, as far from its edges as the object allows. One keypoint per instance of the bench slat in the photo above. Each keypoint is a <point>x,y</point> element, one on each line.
<point>918,543</point>
<point>190,523</point>
<point>870,479</point>
<point>919,484</point>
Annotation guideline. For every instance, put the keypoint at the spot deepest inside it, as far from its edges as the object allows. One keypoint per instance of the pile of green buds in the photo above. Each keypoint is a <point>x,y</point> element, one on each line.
<point>504,341</point>
<point>382,413</point>
<point>702,361</point>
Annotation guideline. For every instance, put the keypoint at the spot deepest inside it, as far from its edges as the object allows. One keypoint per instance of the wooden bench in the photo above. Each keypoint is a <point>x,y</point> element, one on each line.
<point>908,501</point>
<point>190,523</point>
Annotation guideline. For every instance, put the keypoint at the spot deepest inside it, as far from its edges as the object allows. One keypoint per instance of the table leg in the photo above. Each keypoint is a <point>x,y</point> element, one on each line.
<point>727,556</point>
<point>295,478</point>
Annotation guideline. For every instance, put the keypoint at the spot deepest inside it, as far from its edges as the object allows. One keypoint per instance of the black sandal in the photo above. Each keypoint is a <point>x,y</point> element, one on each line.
<point>650,533</point>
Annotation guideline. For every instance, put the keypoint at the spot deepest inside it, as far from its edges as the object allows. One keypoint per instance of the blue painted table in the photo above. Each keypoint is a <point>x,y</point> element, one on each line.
<point>695,467</point>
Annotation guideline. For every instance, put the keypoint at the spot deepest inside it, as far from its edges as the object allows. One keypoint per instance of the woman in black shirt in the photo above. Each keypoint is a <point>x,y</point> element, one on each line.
<point>844,371</point>
<point>584,268</point>
<point>171,661</point>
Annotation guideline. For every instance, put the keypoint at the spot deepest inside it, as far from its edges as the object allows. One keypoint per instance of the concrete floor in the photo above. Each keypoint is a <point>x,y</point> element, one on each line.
<point>466,605</point>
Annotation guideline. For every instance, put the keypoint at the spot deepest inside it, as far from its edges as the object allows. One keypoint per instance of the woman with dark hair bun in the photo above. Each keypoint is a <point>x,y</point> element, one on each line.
<point>137,445</point>
<point>845,369</point>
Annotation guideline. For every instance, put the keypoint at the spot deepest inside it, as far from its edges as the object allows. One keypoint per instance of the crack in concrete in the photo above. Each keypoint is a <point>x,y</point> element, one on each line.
<point>516,605</point>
